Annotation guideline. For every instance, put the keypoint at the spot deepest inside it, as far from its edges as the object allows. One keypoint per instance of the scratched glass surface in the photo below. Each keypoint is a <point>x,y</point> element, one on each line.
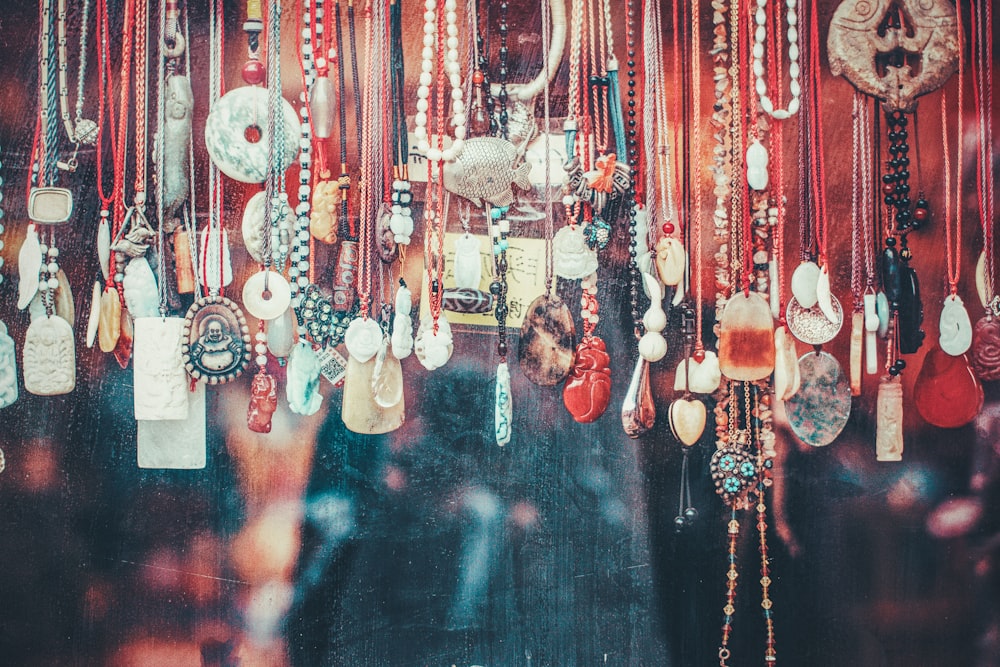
<point>432,547</point>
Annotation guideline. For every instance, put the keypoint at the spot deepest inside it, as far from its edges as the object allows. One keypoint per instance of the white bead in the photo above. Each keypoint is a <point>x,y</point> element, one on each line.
<point>568,200</point>
<point>793,70</point>
<point>761,85</point>
<point>451,5</point>
<point>453,30</point>
<point>453,54</point>
<point>758,50</point>
<point>260,348</point>
<point>434,155</point>
<point>262,360</point>
<point>53,267</point>
<point>459,119</point>
<point>427,53</point>
<point>458,108</point>
<point>793,34</point>
<point>420,132</point>
<point>453,69</point>
<point>306,33</point>
<point>760,34</point>
<point>760,17</point>
<point>793,18</point>
<point>304,190</point>
<point>453,42</point>
<point>422,105</point>
<point>426,66</point>
<point>793,105</point>
<point>781,114</point>
<point>448,154</point>
<point>303,281</point>
<point>758,69</point>
<point>456,94</point>
<point>795,87</point>
<point>260,336</point>
<point>420,120</point>
<point>53,283</point>
<point>429,39</point>
<point>423,91</point>
<point>766,105</point>
<point>431,5</point>
<point>459,132</point>
<point>455,80</point>
<point>793,52</point>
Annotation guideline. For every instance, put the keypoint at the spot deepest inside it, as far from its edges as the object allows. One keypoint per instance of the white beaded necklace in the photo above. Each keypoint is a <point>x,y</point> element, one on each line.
<point>453,70</point>
<point>793,57</point>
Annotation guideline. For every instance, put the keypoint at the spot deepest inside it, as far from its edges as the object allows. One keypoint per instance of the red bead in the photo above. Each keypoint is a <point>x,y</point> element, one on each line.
<point>253,72</point>
<point>920,214</point>
<point>699,355</point>
<point>477,77</point>
<point>668,228</point>
<point>888,188</point>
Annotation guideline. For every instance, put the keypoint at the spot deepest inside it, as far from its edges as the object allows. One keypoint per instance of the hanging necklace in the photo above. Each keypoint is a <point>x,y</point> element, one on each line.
<point>49,353</point>
<point>401,222</point>
<point>760,36</point>
<point>215,339</point>
<point>987,331</point>
<point>78,130</point>
<point>440,37</point>
<point>865,321</point>
<point>548,335</point>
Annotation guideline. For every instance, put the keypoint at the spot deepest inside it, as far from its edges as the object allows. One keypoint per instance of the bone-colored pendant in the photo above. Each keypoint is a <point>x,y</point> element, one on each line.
<point>468,267</point>
<point>29,263</point>
<point>872,323</point>
<point>253,226</point>
<point>104,245</point>
<point>109,327</point>
<point>638,408</point>
<point>746,338</point>
<point>955,327</point>
<point>857,347</point>
<point>139,286</point>
<point>652,345</point>
<point>402,324</point>
<point>49,362</point>
<point>572,259</point>
<point>360,412</point>
<point>433,349</point>
<point>64,304</point>
<point>687,420</point>
<point>804,284</point>
<point>266,294</point>
<point>671,261</point>
<point>302,383</point>
<point>175,444</point>
<point>323,214</point>
<point>8,369</point>
<point>94,319</point>
<point>387,378</point>
<point>861,34</point>
<point>281,334</point>
<point>698,377</point>
<point>160,381</point>
<point>889,420</point>
<point>786,364</point>
<point>363,338</point>
<point>824,296</point>
<point>757,166</point>
<point>503,406</point>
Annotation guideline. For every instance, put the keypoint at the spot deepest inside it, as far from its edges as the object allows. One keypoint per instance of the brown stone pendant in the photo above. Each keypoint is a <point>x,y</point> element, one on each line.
<point>638,409</point>
<point>746,338</point>
<point>182,263</point>
<point>263,402</point>
<point>361,413</point>
<point>548,338</point>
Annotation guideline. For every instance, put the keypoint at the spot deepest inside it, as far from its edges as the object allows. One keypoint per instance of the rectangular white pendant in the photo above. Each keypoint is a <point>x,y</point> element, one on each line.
<point>160,381</point>
<point>176,444</point>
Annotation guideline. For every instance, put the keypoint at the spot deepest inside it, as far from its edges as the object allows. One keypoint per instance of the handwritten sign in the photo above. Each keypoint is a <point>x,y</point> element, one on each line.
<point>525,279</point>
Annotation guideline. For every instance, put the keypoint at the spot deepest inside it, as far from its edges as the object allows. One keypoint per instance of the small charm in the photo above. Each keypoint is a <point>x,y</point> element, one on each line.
<point>326,199</point>
<point>597,234</point>
<point>746,338</point>
<point>687,420</point>
<point>733,472</point>
<point>29,264</point>
<point>671,261</point>
<point>756,166</point>
<point>955,327</point>
<point>698,377</point>
<point>805,281</point>
<point>638,408</point>
<point>49,357</point>
<point>587,391</point>
<point>363,338</point>
<point>215,340</point>
<point>263,402</point>
<point>468,267</point>
<point>433,349</point>
<point>402,323</point>
<point>572,259</point>
<point>503,410</point>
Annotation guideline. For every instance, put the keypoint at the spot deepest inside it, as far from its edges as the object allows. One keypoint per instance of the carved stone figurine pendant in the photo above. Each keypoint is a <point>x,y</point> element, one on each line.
<point>159,378</point>
<point>587,391</point>
<point>49,357</point>
<point>263,402</point>
<point>8,368</point>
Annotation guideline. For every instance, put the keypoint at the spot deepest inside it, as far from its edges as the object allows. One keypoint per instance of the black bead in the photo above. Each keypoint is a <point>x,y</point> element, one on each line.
<point>904,202</point>
<point>904,161</point>
<point>691,514</point>
<point>502,349</point>
<point>891,241</point>
<point>494,288</point>
<point>888,178</point>
<point>901,364</point>
<point>893,371</point>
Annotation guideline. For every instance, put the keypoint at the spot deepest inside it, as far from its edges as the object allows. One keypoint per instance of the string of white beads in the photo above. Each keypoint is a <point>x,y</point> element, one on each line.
<point>453,70</point>
<point>760,35</point>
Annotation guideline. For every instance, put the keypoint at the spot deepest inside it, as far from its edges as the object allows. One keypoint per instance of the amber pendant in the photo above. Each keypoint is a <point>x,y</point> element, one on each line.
<point>638,409</point>
<point>587,391</point>
<point>548,337</point>
<point>110,320</point>
<point>947,392</point>
<point>746,338</point>
<point>263,402</point>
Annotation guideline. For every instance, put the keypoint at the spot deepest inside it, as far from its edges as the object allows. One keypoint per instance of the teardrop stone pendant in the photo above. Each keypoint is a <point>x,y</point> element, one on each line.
<point>947,392</point>
<point>638,409</point>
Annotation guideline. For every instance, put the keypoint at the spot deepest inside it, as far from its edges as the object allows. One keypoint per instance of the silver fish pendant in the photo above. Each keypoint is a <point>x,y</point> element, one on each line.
<point>486,172</point>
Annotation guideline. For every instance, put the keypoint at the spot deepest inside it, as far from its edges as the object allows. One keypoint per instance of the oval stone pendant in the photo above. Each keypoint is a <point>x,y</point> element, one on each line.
<point>955,327</point>
<point>548,338</point>
<point>947,393</point>
<point>746,338</point>
<point>818,411</point>
<point>986,348</point>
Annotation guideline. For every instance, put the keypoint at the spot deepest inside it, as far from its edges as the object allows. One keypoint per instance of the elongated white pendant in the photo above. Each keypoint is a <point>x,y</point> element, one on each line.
<point>757,166</point>
<point>302,384</point>
<point>8,368</point>
<point>281,334</point>
<point>104,245</point>
<point>217,269</point>
<point>139,286</point>
<point>49,362</point>
<point>29,263</point>
<point>402,324</point>
<point>160,381</point>
<point>872,324</point>
<point>468,268</point>
<point>176,444</point>
<point>824,297</point>
<point>94,319</point>
<point>503,412</point>
<point>638,409</point>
